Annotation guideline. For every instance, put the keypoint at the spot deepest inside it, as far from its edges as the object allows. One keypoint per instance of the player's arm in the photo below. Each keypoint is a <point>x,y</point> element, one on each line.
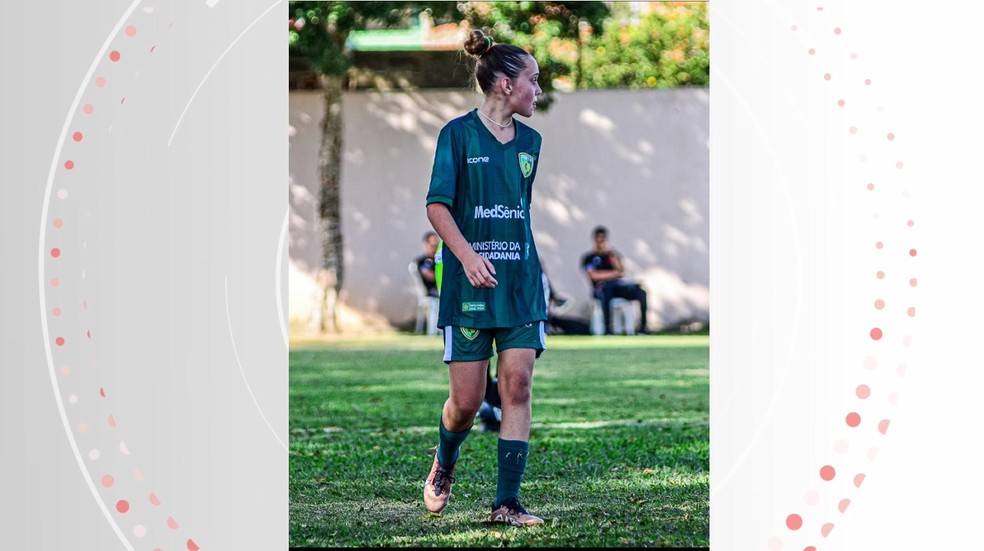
<point>478,269</point>
<point>427,273</point>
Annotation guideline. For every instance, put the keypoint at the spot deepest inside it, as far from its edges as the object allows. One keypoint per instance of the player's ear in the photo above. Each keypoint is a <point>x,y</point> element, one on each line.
<point>505,85</point>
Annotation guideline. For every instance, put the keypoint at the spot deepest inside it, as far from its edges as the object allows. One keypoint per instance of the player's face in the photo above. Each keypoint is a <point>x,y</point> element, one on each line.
<point>526,88</point>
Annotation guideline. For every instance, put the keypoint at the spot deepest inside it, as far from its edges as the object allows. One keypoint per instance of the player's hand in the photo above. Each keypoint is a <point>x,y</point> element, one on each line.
<point>480,271</point>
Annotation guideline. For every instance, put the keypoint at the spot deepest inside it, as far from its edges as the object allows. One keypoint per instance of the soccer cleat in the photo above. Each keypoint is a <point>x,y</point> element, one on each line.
<point>437,487</point>
<point>511,512</point>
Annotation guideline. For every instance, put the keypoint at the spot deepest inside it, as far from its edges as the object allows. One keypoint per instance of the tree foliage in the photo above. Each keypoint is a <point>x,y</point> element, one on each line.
<point>665,48</point>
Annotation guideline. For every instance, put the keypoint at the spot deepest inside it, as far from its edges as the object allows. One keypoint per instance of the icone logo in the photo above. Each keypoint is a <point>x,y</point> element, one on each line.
<point>473,160</point>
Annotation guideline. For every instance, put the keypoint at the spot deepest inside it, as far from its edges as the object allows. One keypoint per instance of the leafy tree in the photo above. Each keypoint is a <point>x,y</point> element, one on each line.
<point>664,48</point>
<point>318,32</point>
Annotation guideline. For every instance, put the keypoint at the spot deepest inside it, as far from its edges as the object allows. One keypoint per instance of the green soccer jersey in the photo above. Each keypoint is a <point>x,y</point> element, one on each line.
<point>487,186</point>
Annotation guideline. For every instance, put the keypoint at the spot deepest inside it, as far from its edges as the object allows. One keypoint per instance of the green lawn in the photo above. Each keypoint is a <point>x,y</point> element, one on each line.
<point>619,447</point>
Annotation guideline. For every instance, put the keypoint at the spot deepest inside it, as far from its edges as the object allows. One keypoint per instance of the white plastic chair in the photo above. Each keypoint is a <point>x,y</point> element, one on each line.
<point>623,317</point>
<point>427,306</point>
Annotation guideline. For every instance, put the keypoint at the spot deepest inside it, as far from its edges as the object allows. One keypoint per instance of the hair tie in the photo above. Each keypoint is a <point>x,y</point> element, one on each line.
<point>489,39</point>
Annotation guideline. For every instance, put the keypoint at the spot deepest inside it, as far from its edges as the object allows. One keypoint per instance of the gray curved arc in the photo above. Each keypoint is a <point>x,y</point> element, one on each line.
<point>41,273</point>
<point>214,65</point>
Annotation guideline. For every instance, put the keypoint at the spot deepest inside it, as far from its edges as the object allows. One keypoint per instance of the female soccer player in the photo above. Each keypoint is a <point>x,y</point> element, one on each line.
<point>479,203</point>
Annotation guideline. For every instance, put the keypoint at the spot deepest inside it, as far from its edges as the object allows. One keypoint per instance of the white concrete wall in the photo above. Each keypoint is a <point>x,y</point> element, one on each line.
<point>634,161</point>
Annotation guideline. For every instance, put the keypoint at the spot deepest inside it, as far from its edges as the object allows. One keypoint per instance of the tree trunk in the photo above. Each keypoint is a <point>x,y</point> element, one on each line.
<point>330,166</point>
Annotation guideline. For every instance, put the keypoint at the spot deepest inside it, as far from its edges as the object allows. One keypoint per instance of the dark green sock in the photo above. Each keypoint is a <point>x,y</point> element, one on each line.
<point>512,465</point>
<point>447,448</point>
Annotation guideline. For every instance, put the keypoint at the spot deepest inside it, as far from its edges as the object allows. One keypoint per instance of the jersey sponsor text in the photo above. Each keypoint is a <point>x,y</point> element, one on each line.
<point>499,211</point>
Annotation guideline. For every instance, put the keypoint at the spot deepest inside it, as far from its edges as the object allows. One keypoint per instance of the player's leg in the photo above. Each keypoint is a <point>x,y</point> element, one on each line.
<point>517,352</point>
<point>466,353</point>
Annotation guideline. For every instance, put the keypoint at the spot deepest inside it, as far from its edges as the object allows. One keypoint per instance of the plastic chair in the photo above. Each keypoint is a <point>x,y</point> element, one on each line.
<point>623,314</point>
<point>427,306</point>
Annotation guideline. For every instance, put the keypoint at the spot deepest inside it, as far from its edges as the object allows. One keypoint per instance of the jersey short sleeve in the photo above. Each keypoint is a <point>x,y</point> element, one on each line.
<point>444,174</point>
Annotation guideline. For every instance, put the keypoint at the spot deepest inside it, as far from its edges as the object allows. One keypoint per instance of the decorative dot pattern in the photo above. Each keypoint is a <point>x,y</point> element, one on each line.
<point>888,326</point>
<point>71,312</point>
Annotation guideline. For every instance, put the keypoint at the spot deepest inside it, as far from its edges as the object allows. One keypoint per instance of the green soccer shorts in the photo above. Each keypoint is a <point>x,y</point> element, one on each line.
<point>462,344</point>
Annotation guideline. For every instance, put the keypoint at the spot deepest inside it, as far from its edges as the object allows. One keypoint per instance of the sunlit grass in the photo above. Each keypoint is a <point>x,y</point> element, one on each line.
<point>619,446</point>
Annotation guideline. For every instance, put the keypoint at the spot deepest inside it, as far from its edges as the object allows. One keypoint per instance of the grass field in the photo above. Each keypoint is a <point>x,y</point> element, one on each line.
<point>619,447</point>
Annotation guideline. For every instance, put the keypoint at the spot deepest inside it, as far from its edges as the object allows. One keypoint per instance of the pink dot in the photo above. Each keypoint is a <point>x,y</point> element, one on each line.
<point>107,480</point>
<point>867,82</point>
<point>60,341</point>
<point>63,194</point>
<point>152,48</point>
<point>826,76</point>
<point>876,334</point>
<point>139,530</point>
<point>153,499</point>
<point>880,275</point>
<point>863,392</point>
<point>69,165</point>
<point>837,30</point>
<point>898,165</point>
<point>131,31</point>
<point>854,56</point>
<point>912,252</point>
<point>871,186</point>
<point>56,252</point>
<point>842,505</point>
<point>794,522</point>
<point>853,130</point>
<point>809,548</point>
<point>56,312</point>
<point>879,304</point>
<point>883,426</point>
<point>811,51</point>
<point>912,282</point>
<point>73,399</point>
<point>840,103</point>
<point>58,223</point>
<point>114,56</point>
<point>853,419</point>
<point>891,136</point>
<point>55,282</point>
<point>911,312</point>
<point>87,109</point>
<point>65,371</point>
<point>111,421</point>
<point>827,473</point>
<point>910,223</point>
<point>102,392</point>
<point>192,546</point>
<point>171,523</point>
<point>793,28</point>
<point>858,479</point>
<point>83,427</point>
<point>77,136</point>
<point>100,82</point>
<point>122,506</point>
<point>879,245</point>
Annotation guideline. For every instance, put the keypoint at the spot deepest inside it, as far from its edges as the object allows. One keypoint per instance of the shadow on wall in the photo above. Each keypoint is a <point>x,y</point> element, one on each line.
<point>634,161</point>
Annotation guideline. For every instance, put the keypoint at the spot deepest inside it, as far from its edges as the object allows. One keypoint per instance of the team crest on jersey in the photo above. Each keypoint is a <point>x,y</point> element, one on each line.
<point>526,164</point>
<point>470,333</point>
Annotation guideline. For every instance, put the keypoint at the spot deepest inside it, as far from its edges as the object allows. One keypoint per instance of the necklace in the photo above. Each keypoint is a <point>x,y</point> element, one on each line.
<point>508,124</point>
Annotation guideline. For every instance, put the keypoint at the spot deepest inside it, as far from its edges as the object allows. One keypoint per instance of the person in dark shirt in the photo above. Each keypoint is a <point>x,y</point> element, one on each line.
<point>425,264</point>
<point>604,269</point>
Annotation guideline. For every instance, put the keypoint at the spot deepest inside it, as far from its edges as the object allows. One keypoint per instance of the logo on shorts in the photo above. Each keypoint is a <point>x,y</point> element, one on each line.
<point>469,333</point>
<point>526,164</point>
<point>472,306</point>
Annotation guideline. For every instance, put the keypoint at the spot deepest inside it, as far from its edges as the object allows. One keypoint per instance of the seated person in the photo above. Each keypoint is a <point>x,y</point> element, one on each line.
<point>604,268</point>
<point>425,263</point>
